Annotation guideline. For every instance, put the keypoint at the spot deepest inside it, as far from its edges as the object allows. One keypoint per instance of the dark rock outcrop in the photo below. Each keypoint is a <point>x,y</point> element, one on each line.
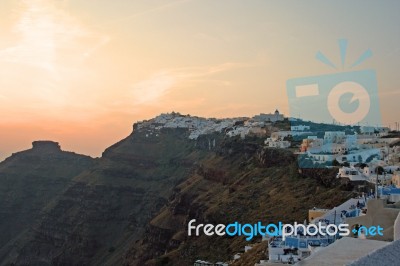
<point>29,181</point>
<point>46,146</point>
<point>132,206</point>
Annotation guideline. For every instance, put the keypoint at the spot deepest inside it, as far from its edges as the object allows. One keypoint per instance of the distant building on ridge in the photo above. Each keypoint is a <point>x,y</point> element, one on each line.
<point>276,116</point>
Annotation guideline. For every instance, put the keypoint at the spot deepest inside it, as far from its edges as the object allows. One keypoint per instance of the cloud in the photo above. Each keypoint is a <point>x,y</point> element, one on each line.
<point>103,41</point>
<point>45,33</point>
<point>157,8</point>
<point>159,84</point>
<point>49,50</point>
<point>41,29</point>
<point>150,90</point>
<point>206,71</point>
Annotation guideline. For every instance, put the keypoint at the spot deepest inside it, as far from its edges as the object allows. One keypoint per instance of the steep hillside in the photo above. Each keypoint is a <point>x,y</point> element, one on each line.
<point>241,182</point>
<point>106,209</point>
<point>133,205</point>
<point>28,181</point>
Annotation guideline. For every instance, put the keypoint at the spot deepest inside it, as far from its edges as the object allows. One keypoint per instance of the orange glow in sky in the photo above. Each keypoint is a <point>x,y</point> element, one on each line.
<point>82,72</point>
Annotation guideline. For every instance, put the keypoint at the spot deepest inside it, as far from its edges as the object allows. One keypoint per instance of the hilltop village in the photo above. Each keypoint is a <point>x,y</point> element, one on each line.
<point>317,144</point>
<point>366,156</point>
<point>197,126</point>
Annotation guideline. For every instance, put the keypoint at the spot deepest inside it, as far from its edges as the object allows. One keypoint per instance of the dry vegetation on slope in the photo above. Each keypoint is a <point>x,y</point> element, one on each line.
<point>133,205</point>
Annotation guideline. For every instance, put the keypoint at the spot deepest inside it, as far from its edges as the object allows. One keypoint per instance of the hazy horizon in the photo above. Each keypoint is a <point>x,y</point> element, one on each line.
<point>81,73</point>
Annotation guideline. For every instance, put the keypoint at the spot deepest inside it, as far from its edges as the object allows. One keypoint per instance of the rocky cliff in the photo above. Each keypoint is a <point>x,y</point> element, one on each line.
<point>29,180</point>
<point>132,206</point>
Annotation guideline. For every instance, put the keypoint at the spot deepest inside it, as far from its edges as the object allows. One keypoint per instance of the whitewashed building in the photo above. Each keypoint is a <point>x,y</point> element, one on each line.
<point>300,128</point>
<point>351,173</point>
<point>281,144</point>
<point>334,136</point>
<point>275,117</point>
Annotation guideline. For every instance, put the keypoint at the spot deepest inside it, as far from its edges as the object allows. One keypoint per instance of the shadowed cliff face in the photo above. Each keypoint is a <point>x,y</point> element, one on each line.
<point>105,210</point>
<point>133,205</point>
<point>237,182</point>
<point>29,180</point>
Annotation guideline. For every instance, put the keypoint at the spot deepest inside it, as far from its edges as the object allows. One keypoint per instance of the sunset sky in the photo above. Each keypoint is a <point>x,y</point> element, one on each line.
<point>81,72</point>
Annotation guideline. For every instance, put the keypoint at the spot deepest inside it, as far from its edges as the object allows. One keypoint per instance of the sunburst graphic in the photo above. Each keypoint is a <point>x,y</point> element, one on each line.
<point>343,51</point>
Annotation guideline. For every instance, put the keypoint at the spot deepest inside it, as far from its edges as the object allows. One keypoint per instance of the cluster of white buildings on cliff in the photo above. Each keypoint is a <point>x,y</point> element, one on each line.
<point>336,145</point>
<point>366,154</point>
<point>197,126</point>
<point>357,146</point>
